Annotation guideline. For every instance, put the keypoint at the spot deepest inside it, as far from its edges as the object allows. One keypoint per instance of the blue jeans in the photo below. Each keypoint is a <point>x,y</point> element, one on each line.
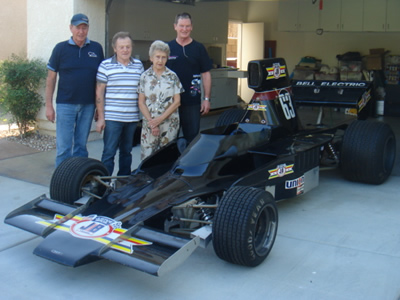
<point>73,123</point>
<point>118,135</point>
<point>189,117</point>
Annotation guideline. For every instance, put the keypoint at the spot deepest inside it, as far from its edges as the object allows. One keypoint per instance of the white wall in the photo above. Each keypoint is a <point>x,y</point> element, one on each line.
<point>13,28</point>
<point>48,23</point>
<point>49,20</point>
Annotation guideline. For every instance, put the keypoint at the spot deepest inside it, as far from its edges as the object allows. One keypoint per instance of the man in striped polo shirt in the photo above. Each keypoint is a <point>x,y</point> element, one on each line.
<point>117,103</point>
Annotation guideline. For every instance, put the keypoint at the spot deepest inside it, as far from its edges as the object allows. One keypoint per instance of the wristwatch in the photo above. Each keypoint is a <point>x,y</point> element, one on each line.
<point>207,99</point>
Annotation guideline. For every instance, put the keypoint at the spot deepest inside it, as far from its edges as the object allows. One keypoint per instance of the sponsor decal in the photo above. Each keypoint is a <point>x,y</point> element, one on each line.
<point>276,71</point>
<point>331,83</point>
<point>297,184</point>
<point>98,228</point>
<point>364,100</point>
<point>280,171</point>
<point>257,106</point>
<point>351,111</point>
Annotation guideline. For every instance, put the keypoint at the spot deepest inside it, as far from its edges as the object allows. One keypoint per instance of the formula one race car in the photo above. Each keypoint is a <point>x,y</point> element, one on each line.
<point>221,188</point>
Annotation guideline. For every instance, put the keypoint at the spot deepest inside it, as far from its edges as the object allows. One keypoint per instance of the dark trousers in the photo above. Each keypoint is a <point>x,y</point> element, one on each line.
<point>190,121</point>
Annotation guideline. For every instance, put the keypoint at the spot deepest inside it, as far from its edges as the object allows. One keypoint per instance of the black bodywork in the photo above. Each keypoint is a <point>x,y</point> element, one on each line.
<point>155,218</point>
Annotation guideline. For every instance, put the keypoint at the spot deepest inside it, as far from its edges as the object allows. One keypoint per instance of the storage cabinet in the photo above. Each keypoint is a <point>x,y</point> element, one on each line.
<point>340,15</point>
<point>351,18</point>
<point>392,15</point>
<point>308,17</point>
<point>374,18</point>
<point>224,89</point>
<point>381,17</point>
<point>298,15</point>
<point>288,15</point>
<point>330,15</point>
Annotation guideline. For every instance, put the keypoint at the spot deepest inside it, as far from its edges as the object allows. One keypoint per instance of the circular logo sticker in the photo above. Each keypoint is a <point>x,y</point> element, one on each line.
<point>91,228</point>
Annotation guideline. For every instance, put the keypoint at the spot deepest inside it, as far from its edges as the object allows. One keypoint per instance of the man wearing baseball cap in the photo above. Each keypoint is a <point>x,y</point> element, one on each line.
<point>75,62</point>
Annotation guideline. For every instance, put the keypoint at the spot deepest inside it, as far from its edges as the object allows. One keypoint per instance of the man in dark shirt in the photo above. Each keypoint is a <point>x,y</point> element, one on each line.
<point>190,61</point>
<point>75,62</point>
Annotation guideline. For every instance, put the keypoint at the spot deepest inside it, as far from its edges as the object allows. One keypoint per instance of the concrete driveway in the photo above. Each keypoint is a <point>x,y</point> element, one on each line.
<point>339,241</point>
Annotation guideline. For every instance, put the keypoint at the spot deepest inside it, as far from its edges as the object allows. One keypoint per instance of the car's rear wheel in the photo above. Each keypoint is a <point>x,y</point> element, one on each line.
<point>230,116</point>
<point>368,152</point>
<point>245,226</point>
<point>75,176</point>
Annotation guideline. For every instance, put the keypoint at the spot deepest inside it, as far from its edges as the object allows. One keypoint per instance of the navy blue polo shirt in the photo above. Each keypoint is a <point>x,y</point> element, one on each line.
<point>77,69</point>
<point>188,63</point>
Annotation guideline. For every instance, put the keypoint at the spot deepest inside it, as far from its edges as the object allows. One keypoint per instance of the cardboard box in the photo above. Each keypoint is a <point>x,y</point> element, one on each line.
<point>303,74</point>
<point>380,51</point>
<point>374,62</point>
<point>350,76</point>
<point>323,76</point>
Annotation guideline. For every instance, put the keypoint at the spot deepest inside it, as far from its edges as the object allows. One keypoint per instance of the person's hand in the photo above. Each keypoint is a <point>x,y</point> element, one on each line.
<point>153,123</point>
<point>100,125</point>
<point>50,114</point>
<point>155,131</point>
<point>205,107</point>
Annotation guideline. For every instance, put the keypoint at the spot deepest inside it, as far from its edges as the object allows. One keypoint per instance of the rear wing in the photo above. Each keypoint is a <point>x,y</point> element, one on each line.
<point>357,95</point>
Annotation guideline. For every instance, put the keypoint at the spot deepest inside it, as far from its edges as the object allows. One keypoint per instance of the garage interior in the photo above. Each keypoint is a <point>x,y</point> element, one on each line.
<point>320,40</point>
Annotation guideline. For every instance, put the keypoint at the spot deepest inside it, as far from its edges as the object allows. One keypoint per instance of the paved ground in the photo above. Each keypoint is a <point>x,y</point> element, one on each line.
<point>339,241</point>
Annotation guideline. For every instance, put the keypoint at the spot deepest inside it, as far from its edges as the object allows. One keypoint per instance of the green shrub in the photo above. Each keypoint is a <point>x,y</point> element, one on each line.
<point>20,79</point>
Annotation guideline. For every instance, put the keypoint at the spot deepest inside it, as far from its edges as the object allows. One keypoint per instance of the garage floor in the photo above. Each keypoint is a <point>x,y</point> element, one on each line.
<point>339,241</point>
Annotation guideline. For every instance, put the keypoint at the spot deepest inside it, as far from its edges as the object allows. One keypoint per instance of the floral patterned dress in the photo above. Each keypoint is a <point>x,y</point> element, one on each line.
<point>159,94</point>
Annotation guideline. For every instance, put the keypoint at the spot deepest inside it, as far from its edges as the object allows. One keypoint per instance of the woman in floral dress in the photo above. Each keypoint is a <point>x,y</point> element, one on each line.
<point>159,99</point>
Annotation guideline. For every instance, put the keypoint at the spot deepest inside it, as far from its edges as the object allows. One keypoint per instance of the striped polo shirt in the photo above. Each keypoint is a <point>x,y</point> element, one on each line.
<point>121,96</point>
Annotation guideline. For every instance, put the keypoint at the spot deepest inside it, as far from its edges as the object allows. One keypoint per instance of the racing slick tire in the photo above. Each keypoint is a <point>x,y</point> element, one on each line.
<point>245,226</point>
<point>73,176</point>
<point>368,152</point>
<point>230,116</point>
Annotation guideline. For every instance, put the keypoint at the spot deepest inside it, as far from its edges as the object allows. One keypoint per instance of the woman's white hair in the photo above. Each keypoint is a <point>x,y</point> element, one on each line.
<point>159,46</point>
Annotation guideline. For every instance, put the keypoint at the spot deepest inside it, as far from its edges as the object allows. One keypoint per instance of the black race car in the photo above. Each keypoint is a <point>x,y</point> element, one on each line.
<point>222,187</point>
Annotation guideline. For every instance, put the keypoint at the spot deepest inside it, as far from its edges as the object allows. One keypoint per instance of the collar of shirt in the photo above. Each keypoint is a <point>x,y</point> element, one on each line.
<point>153,73</point>
<point>71,41</point>
<point>115,61</point>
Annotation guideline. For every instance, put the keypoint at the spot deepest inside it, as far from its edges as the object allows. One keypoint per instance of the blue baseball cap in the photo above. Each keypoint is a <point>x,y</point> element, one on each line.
<point>79,19</point>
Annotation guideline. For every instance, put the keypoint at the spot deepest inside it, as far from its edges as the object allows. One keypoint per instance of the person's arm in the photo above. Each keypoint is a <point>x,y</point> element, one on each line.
<point>206,80</point>
<point>100,91</point>
<point>143,107</point>
<point>50,87</point>
<point>173,107</point>
<point>146,114</point>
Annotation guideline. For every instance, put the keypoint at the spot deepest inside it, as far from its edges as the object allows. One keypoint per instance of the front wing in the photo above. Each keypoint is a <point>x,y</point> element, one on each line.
<point>72,239</point>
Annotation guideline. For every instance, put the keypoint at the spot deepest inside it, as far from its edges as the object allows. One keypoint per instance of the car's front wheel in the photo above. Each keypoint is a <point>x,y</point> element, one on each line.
<point>245,226</point>
<point>74,177</point>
